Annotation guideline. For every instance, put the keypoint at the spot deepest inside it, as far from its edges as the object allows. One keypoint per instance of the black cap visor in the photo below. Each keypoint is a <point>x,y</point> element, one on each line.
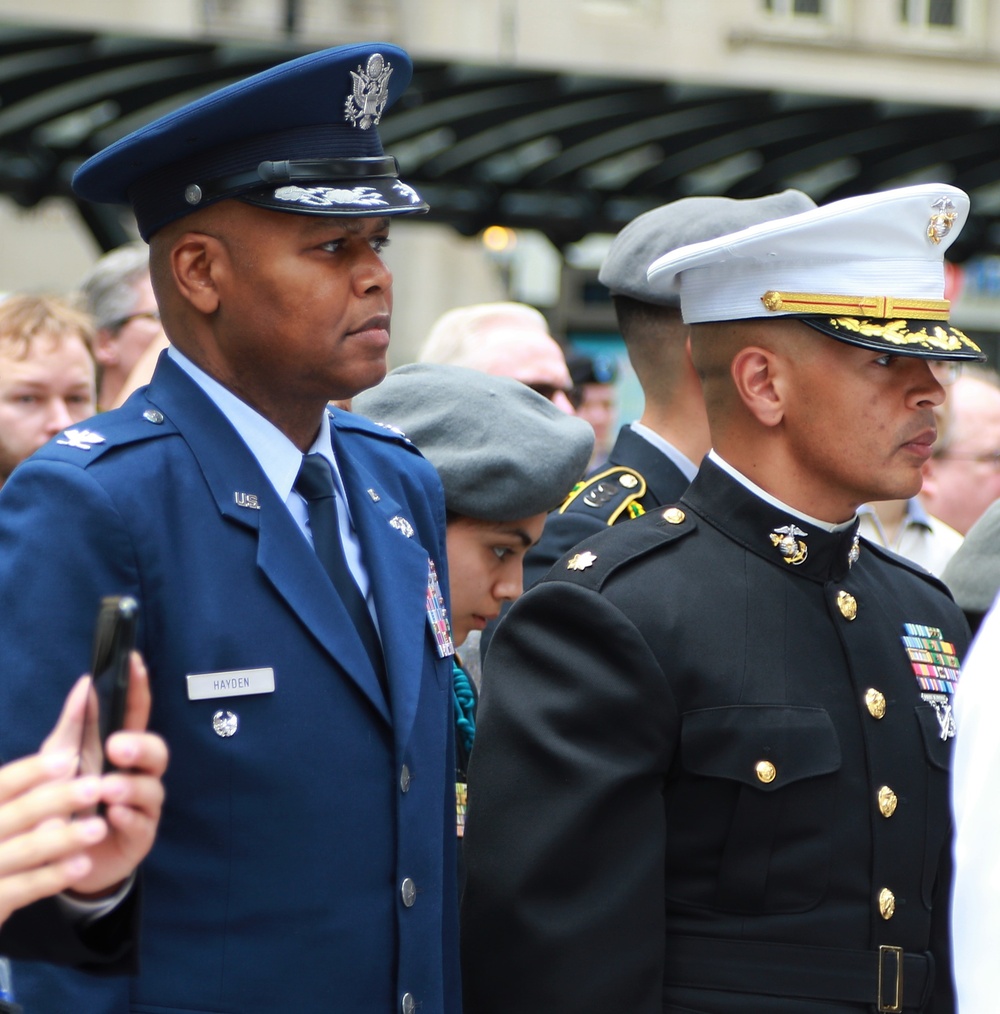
<point>925,339</point>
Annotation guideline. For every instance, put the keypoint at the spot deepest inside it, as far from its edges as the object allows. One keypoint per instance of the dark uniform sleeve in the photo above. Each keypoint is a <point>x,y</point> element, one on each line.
<point>44,932</point>
<point>565,834</point>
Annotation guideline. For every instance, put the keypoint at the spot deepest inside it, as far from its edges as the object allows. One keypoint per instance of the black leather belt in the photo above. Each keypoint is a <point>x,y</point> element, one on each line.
<point>887,979</point>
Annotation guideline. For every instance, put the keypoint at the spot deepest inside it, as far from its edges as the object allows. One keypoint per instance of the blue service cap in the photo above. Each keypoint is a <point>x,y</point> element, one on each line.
<point>301,137</point>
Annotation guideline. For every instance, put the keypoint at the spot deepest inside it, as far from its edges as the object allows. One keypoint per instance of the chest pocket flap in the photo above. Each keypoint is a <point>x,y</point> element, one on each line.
<point>763,746</point>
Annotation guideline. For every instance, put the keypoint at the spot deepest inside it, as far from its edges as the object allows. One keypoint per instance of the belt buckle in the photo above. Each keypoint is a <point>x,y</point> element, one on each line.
<point>897,1001</point>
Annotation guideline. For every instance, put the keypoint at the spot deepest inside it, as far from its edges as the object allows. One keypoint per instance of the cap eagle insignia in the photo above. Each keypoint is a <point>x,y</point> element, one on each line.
<point>364,106</point>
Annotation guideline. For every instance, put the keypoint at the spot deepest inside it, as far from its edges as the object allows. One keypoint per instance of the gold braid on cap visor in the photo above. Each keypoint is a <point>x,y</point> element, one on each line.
<point>855,306</point>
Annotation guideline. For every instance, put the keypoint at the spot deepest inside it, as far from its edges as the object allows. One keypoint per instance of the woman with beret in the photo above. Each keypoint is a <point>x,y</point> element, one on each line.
<point>506,457</point>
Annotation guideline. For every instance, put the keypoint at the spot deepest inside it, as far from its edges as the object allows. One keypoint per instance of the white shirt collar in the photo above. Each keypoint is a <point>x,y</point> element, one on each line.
<point>681,460</point>
<point>277,456</point>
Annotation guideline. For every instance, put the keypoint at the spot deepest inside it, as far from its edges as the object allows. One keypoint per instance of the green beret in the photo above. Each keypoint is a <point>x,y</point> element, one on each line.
<point>502,451</point>
<point>680,223</point>
<point>973,573</point>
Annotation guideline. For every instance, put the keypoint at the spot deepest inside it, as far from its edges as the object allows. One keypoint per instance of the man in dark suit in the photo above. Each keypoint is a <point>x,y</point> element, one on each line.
<point>711,766</point>
<point>655,457</point>
<point>288,560</point>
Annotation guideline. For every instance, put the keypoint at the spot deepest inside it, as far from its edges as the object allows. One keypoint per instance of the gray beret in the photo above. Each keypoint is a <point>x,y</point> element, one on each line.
<point>502,451</point>
<point>973,573</point>
<point>680,223</point>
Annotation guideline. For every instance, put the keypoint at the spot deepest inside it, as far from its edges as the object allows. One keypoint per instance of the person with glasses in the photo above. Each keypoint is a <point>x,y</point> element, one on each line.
<point>46,374</point>
<point>118,294</point>
<point>505,340</point>
<point>962,477</point>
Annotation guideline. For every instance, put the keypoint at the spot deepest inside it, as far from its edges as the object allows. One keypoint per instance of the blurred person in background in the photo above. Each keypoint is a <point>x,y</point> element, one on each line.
<point>973,573</point>
<point>595,398</point>
<point>118,294</point>
<point>962,477</point>
<point>505,340</point>
<point>47,379</point>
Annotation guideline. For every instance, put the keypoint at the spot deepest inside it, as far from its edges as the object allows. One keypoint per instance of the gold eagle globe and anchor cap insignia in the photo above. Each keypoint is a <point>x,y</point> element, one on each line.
<point>786,540</point>
<point>944,217</point>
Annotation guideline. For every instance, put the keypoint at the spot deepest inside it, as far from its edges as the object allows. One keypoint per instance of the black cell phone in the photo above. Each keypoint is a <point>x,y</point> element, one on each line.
<point>114,639</point>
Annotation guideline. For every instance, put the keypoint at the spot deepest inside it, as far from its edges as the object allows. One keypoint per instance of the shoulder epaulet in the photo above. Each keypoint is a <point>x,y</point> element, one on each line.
<point>87,441</point>
<point>907,564</point>
<point>351,422</point>
<point>615,492</point>
<point>595,559</point>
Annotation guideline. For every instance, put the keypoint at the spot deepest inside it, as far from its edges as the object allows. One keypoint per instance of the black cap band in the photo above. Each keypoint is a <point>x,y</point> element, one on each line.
<point>268,173</point>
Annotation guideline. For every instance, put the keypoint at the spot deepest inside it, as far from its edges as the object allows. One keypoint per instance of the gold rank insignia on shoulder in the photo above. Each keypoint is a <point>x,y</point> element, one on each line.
<point>786,540</point>
<point>581,561</point>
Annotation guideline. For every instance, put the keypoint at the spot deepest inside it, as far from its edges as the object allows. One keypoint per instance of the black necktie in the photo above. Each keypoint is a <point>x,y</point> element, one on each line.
<point>315,483</point>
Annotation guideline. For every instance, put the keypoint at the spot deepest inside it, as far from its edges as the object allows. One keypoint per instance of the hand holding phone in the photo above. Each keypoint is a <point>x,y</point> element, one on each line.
<point>114,639</point>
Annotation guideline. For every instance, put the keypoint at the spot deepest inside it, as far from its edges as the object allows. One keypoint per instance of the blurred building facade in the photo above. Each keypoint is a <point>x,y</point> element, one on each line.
<point>898,52</point>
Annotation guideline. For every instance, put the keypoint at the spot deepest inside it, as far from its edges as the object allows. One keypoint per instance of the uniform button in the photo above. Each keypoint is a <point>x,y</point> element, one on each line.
<point>404,779</point>
<point>408,892</point>
<point>847,604</point>
<point>875,702</point>
<point>408,1005</point>
<point>673,516</point>
<point>886,903</point>
<point>153,416</point>
<point>765,771</point>
<point>887,801</point>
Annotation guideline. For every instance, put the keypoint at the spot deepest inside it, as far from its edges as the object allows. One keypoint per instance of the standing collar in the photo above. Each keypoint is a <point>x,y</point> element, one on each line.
<point>827,526</point>
<point>768,528</point>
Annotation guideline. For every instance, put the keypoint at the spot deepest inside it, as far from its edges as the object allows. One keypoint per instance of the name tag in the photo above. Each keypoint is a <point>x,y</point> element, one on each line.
<point>235,683</point>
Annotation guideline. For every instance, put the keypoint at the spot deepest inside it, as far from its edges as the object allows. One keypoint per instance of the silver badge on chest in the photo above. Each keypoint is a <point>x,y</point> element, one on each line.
<point>225,724</point>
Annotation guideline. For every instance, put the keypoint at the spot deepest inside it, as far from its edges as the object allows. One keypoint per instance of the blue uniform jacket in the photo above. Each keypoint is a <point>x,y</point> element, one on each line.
<point>277,879</point>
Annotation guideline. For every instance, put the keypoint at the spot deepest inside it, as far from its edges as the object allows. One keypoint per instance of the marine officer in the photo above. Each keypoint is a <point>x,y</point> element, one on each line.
<point>711,769</point>
<point>655,457</point>
<point>287,560</point>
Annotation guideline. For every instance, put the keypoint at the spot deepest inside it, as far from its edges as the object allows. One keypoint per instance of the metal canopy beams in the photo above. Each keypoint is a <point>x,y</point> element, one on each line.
<point>566,154</point>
